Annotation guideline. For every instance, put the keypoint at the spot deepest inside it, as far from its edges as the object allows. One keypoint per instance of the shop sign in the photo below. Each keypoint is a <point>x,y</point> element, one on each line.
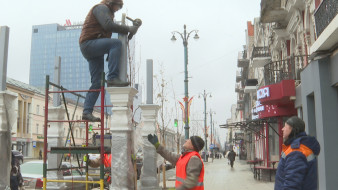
<point>39,137</point>
<point>34,144</point>
<point>259,107</point>
<point>263,93</point>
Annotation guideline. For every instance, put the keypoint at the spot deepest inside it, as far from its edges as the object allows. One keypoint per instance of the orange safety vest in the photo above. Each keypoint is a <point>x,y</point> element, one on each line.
<point>107,164</point>
<point>181,172</point>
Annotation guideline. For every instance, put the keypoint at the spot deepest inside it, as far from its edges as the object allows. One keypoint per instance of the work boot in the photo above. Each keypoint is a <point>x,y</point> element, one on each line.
<point>90,117</point>
<point>116,83</point>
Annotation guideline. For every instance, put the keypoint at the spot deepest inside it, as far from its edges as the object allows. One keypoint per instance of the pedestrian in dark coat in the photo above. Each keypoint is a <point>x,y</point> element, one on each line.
<point>232,157</point>
<point>297,168</point>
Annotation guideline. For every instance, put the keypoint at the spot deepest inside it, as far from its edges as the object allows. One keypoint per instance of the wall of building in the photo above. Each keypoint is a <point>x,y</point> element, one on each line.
<point>320,111</point>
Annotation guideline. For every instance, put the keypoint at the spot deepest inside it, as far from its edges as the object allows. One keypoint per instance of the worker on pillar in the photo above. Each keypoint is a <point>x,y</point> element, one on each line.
<point>95,41</point>
<point>189,165</point>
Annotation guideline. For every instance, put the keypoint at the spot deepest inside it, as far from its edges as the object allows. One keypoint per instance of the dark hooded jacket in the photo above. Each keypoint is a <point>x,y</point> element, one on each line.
<point>297,168</point>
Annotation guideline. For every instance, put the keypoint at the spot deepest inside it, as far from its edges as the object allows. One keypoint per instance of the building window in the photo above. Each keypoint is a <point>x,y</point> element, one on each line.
<point>37,109</point>
<point>28,126</point>
<point>35,30</point>
<point>37,128</point>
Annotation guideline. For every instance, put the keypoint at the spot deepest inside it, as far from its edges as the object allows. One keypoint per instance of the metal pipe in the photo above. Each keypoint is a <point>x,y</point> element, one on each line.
<point>45,135</point>
<point>102,128</point>
<point>267,144</point>
<point>86,167</point>
<point>60,121</point>
<point>70,91</point>
<point>72,181</point>
<point>280,126</point>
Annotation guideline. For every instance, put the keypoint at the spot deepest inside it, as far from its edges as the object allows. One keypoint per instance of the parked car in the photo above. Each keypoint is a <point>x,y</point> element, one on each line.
<point>18,156</point>
<point>32,173</point>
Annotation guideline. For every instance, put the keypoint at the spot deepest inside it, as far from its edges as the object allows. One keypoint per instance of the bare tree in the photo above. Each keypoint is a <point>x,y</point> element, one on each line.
<point>165,115</point>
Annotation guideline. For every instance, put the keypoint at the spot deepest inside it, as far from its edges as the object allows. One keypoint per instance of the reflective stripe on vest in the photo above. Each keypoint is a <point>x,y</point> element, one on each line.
<point>181,171</point>
<point>182,180</point>
<point>306,151</point>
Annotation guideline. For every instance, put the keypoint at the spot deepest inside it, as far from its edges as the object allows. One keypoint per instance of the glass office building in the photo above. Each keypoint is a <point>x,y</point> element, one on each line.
<point>51,40</point>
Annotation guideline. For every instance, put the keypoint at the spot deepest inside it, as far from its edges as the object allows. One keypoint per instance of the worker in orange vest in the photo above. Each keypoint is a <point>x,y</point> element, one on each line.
<point>189,165</point>
<point>96,163</point>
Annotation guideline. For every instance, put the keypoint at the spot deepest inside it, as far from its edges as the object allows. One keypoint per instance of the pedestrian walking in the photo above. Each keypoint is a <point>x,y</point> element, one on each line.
<point>232,157</point>
<point>297,168</point>
<point>40,155</point>
<point>189,165</point>
<point>95,41</point>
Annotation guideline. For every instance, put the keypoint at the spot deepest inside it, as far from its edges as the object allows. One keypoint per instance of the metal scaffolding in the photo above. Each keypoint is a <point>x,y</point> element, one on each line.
<point>85,149</point>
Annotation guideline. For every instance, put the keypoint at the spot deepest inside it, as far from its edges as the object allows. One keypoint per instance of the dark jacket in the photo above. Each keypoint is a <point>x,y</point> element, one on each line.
<point>297,168</point>
<point>232,156</point>
<point>99,23</point>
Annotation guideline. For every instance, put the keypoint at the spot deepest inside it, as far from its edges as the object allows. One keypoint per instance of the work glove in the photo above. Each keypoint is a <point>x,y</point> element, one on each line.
<point>132,31</point>
<point>153,140</point>
<point>85,158</point>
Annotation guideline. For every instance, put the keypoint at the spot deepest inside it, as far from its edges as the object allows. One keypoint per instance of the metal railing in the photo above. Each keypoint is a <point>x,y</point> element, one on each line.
<point>325,13</point>
<point>288,69</point>
<point>261,52</point>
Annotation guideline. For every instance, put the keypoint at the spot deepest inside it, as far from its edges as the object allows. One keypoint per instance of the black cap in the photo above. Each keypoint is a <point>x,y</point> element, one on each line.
<point>197,142</point>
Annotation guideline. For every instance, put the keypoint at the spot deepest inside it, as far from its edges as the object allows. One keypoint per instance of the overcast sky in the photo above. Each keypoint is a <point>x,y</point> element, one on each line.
<point>212,59</point>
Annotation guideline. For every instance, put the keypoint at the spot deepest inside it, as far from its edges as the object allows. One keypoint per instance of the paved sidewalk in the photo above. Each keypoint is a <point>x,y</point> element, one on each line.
<point>220,176</point>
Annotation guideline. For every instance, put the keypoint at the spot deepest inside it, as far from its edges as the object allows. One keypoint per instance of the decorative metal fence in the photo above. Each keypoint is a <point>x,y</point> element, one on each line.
<point>325,13</point>
<point>261,52</point>
<point>288,69</point>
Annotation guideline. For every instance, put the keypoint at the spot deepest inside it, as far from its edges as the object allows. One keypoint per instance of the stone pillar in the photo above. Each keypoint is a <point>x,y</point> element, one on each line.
<point>8,120</point>
<point>54,138</point>
<point>122,169</point>
<point>4,38</point>
<point>148,175</point>
<point>123,67</point>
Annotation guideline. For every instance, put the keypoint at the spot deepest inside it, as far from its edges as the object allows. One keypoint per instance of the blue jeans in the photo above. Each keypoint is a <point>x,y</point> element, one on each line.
<point>93,51</point>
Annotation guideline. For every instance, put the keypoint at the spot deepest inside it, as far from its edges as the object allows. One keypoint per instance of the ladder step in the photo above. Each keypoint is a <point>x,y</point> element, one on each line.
<point>79,150</point>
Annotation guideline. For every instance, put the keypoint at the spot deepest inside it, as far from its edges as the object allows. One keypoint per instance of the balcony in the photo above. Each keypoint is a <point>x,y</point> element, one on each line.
<point>326,21</point>
<point>239,76</point>
<point>272,11</point>
<point>250,85</point>
<point>240,101</point>
<point>260,56</point>
<point>325,13</point>
<point>243,61</point>
<point>240,107</point>
<point>288,69</point>
<point>239,88</point>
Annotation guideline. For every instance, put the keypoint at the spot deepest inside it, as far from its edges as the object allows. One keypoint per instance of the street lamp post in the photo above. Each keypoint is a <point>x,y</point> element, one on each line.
<point>212,134</point>
<point>185,37</point>
<point>205,95</point>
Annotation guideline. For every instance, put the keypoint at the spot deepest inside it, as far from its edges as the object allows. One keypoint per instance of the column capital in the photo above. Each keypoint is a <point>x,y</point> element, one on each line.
<point>149,109</point>
<point>121,96</point>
